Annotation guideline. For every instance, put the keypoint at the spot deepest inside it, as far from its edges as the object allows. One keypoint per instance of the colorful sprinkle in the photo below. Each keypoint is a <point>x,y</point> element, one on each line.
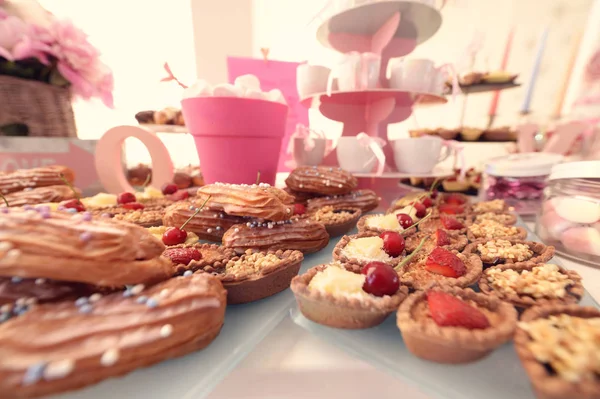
<point>85,236</point>
<point>59,369</point>
<point>137,289</point>
<point>187,273</point>
<point>86,217</point>
<point>81,301</point>
<point>166,330</point>
<point>71,210</point>
<point>34,373</point>
<point>141,299</point>
<point>152,303</point>
<point>5,210</point>
<point>86,308</point>
<point>110,357</point>
<point>95,297</point>
<point>16,279</point>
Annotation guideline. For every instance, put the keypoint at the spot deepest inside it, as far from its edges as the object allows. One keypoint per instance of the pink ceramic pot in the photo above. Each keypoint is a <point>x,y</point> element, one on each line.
<point>236,137</point>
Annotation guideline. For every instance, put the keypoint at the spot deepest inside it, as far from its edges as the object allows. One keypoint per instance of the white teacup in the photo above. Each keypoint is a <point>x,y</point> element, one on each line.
<point>311,79</point>
<point>354,156</point>
<point>414,75</point>
<point>419,155</point>
<point>309,157</point>
<point>357,71</point>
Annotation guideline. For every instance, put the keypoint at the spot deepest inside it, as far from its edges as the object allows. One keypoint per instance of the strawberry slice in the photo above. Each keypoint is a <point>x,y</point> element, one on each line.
<point>451,223</point>
<point>449,311</point>
<point>441,261</point>
<point>441,238</point>
<point>451,209</point>
<point>455,199</point>
<point>182,256</point>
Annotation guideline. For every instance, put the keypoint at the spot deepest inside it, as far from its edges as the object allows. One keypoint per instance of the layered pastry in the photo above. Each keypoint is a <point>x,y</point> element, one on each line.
<point>56,348</point>
<point>507,219</point>
<point>207,224</point>
<point>304,235</point>
<point>502,251</point>
<point>97,251</point>
<point>493,206</point>
<point>337,221</point>
<point>257,200</point>
<point>446,324</point>
<point>559,348</point>
<point>441,266</point>
<point>444,222</point>
<point>447,239</point>
<point>321,180</point>
<point>255,275</point>
<point>366,200</point>
<point>40,195</point>
<point>347,295</point>
<point>35,177</point>
<point>364,248</point>
<point>527,284</point>
<point>490,230</point>
<point>21,293</point>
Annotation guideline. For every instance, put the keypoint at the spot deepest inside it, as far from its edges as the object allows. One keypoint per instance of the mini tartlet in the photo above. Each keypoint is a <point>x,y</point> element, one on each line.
<point>502,251</point>
<point>363,248</point>
<point>417,276</point>
<point>256,275</point>
<point>378,223</point>
<point>457,241</point>
<point>507,219</point>
<point>490,230</point>
<point>337,220</point>
<point>194,257</point>
<point>527,284</point>
<point>557,345</point>
<point>494,206</point>
<point>342,304</point>
<point>454,344</point>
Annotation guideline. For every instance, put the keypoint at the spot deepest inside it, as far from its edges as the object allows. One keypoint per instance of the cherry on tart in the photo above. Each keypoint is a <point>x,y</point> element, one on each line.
<point>404,220</point>
<point>169,188</point>
<point>427,202</point>
<point>451,223</point>
<point>421,210</point>
<point>126,198</point>
<point>175,235</point>
<point>393,243</point>
<point>381,279</point>
<point>299,209</point>
<point>73,204</point>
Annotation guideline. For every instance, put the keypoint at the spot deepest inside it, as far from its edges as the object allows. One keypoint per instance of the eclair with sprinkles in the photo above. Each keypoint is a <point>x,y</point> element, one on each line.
<point>36,177</point>
<point>321,180</point>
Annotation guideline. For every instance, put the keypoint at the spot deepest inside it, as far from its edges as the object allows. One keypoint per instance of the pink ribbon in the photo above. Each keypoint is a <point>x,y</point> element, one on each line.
<point>459,154</point>
<point>451,70</point>
<point>307,134</point>
<point>375,144</point>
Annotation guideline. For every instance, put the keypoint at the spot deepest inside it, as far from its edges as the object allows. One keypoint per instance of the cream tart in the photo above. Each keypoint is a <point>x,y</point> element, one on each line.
<point>490,230</point>
<point>441,266</point>
<point>503,251</point>
<point>337,220</point>
<point>527,284</point>
<point>334,295</point>
<point>446,324</point>
<point>494,206</point>
<point>364,248</point>
<point>378,223</point>
<point>560,350</point>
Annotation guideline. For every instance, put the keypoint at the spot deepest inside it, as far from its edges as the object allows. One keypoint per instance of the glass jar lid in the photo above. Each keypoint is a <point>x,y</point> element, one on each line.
<point>576,170</point>
<point>526,164</point>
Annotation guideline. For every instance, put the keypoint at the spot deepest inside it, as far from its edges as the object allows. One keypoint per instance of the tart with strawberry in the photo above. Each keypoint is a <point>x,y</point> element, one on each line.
<point>446,324</point>
<point>444,222</point>
<point>441,266</point>
<point>502,251</point>
<point>337,221</point>
<point>253,275</point>
<point>447,239</point>
<point>363,248</point>
<point>507,219</point>
<point>558,346</point>
<point>491,230</point>
<point>348,296</point>
<point>528,283</point>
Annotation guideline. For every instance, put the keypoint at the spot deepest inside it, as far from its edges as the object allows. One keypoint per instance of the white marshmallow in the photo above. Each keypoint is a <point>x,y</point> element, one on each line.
<point>582,239</point>
<point>277,96</point>
<point>199,89</point>
<point>247,82</point>
<point>577,210</point>
<point>259,95</point>
<point>227,90</point>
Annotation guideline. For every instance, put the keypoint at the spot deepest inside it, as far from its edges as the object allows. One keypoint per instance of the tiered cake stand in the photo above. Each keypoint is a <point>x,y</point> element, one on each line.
<point>391,29</point>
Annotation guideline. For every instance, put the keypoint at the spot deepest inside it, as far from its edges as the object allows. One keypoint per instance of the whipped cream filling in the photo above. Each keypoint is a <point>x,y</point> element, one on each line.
<point>339,283</point>
<point>366,249</point>
<point>384,222</point>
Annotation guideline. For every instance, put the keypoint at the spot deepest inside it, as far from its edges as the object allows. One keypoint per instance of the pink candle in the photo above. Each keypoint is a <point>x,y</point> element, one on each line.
<point>495,99</point>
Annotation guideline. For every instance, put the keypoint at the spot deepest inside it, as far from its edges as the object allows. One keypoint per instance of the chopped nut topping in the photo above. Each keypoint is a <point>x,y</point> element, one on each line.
<point>569,345</point>
<point>489,206</point>
<point>251,263</point>
<point>544,281</point>
<point>330,215</point>
<point>503,249</point>
<point>497,217</point>
<point>490,229</point>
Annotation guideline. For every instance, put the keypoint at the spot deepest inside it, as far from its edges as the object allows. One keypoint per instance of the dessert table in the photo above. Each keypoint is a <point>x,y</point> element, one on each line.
<point>291,363</point>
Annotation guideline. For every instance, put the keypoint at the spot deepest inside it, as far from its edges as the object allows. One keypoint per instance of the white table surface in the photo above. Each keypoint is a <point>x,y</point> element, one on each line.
<point>291,363</point>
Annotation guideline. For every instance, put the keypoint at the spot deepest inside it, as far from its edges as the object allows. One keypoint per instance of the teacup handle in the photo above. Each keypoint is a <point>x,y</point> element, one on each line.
<point>447,150</point>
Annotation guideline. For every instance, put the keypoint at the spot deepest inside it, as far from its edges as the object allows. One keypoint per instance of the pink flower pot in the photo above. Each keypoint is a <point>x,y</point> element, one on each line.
<point>236,137</point>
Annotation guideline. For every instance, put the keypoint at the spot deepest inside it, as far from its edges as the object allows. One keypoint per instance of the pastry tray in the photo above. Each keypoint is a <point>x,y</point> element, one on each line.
<point>197,374</point>
<point>497,376</point>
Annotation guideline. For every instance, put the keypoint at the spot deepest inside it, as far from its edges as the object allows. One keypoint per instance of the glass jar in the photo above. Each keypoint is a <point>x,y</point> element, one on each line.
<point>569,218</point>
<point>518,179</point>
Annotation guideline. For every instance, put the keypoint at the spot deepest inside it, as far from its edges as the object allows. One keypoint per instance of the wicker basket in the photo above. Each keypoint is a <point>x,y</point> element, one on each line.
<point>45,109</point>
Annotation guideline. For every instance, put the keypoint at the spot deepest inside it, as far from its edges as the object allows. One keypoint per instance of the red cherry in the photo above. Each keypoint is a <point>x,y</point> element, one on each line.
<point>420,208</point>
<point>393,243</point>
<point>174,236</point>
<point>428,202</point>
<point>134,206</point>
<point>179,195</point>
<point>434,194</point>
<point>125,198</point>
<point>73,204</point>
<point>404,220</point>
<point>381,279</point>
<point>299,209</point>
<point>169,188</point>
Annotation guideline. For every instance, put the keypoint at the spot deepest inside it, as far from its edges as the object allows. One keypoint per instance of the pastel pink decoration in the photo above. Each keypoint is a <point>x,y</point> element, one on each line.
<point>109,158</point>
<point>582,239</point>
<point>236,137</point>
<point>525,134</point>
<point>503,65</point>
<point>375,144</point>
<point>553,225</point>
<point>577,210</point>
